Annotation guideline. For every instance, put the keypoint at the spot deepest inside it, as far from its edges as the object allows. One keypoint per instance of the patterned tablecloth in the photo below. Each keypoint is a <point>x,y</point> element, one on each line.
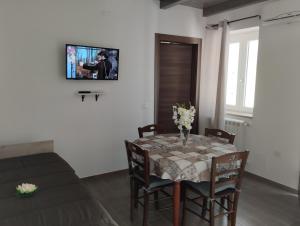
<point>169,159</point>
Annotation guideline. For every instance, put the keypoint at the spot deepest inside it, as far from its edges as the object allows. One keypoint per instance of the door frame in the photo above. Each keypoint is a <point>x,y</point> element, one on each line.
<point>196,70</point>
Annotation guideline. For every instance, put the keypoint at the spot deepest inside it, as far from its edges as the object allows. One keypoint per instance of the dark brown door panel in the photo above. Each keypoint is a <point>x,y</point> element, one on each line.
<point>176,78</point>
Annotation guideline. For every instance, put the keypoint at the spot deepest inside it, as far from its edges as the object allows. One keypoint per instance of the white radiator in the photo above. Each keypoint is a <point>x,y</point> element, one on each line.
<point>237,127</point>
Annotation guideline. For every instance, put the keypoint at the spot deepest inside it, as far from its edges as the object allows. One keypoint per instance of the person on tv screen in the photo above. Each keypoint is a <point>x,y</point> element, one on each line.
<point>103,66</point>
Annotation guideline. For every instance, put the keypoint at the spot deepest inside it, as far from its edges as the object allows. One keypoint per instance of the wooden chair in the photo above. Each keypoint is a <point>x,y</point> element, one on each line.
<point>226,178</point>
<point>140,179</point>
<point>220,133</point>
<point>147,129</point>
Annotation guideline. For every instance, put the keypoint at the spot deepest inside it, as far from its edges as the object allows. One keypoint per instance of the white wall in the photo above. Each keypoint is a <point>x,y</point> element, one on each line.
<point>37,103</point>
<point>273,137</point>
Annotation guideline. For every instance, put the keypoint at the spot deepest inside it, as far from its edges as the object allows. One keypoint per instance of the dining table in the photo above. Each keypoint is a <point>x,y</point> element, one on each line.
<point>170,159</point>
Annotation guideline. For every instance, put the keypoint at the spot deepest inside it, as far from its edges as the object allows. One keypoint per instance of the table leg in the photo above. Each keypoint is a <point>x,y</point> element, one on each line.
<point>176,204</point>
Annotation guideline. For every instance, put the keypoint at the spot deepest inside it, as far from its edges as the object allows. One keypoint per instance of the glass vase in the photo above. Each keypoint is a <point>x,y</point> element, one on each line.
<point>184,135</point>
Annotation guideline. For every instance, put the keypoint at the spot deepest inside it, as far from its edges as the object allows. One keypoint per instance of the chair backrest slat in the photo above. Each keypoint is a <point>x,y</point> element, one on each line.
<point>220,133</point>
<point>225,182</point>
<point>138,161</point>
<point>228,170</point>
<point>147,129</point>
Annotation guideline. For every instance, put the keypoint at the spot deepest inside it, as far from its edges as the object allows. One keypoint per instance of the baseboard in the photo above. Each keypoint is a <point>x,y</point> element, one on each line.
<point>107,174</point>
<point>273,183</point>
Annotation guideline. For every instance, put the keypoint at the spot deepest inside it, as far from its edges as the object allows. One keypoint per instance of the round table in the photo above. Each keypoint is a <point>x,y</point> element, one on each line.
<point>169,159</point>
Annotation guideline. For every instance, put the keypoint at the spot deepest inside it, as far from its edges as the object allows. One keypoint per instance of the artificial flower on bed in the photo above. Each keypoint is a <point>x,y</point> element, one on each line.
<point>183,118</point>
<point>26,190</point>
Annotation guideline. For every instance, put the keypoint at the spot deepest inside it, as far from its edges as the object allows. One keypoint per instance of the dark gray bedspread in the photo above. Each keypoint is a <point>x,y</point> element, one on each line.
<point>60,201</point>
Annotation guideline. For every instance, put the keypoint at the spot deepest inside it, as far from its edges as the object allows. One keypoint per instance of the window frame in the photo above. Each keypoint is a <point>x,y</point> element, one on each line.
<point>243,37</point>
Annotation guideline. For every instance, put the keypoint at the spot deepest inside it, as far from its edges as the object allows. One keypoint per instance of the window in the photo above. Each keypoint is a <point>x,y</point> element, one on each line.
<point>241,72</point>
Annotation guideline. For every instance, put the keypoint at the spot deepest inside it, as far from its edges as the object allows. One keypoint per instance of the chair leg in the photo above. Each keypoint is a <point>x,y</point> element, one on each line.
<point>146,208</point>
<point>212,212</point>
<point>235,204</point>
<point>156,200</point>
<point>136,195</point>
<point>230,208</point>
<point>204,207</point>
<point>183,196</point>
<point>131,198</point>
<point>223,199</point>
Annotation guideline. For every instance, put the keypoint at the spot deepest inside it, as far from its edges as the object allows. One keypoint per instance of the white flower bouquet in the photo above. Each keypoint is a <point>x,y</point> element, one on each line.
<point>26,190</point>
<point>183,118</point>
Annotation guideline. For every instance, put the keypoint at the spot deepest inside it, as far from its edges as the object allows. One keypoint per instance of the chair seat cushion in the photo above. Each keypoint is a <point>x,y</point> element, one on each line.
<point>204,188</point>
<point>154,181</point>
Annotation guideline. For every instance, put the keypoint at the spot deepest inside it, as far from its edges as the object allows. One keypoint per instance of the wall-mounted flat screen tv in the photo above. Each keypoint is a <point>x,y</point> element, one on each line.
<point>91,63</point>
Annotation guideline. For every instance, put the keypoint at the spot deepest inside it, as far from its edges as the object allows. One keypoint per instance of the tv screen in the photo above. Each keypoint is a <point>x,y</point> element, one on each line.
<point>92,63</point>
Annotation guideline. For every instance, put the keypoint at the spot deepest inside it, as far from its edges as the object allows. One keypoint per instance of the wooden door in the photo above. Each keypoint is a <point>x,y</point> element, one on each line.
<point>176,83</point>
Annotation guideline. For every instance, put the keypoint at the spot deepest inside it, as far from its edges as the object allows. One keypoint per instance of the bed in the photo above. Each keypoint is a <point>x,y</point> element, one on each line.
<point>61,199</point>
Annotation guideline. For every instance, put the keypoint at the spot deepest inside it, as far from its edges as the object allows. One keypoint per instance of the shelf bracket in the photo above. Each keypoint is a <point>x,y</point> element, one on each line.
<point>97,96</point>
<point>85,93</point>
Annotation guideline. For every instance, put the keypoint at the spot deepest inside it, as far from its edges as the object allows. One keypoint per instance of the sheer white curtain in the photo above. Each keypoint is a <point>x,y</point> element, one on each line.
<point>213,78</point>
